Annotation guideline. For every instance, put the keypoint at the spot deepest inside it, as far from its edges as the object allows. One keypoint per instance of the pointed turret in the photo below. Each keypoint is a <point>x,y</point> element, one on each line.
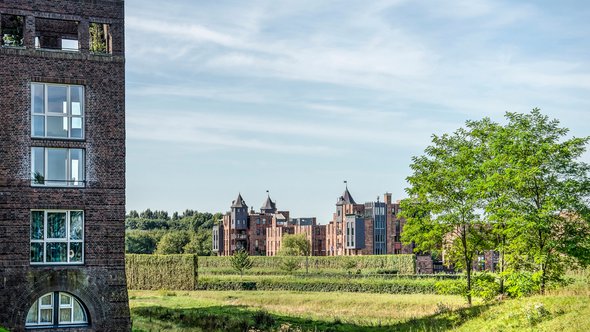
<point>268,206</point>
<point>239,202</point>
<point>346,198</point>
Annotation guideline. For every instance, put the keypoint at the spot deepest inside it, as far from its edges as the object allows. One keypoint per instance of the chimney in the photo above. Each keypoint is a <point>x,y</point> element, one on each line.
<point>387,198</point>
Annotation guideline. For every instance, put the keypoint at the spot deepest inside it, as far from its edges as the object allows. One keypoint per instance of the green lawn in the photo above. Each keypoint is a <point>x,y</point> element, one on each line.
<point>564,310</point>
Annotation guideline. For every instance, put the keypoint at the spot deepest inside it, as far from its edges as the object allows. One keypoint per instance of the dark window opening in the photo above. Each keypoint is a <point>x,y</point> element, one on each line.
<point>100,38</point>
<point>56,34</point>
<point>11,29</point>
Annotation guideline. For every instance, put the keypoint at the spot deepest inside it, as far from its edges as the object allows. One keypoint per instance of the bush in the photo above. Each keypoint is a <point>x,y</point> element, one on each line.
<point>153,272</point>
<point>404,264</point>
<point>3,329</point>
<point>485,286</point>
<point>289,265</point>
<point>518,284</point>
<point>367,285</point>
<point>451,287</point>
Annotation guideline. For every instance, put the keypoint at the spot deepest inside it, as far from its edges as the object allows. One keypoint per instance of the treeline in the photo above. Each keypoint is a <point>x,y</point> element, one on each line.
<point>149,232</point>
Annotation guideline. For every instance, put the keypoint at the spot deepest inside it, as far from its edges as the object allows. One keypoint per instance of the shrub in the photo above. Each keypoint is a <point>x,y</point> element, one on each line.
<point>368,285</point>
<point>3,329</point>
<point>518,284</point>
<point>289,265</point>
<point>153,272</point>
<point>450,287</point>
<point>485,286</point>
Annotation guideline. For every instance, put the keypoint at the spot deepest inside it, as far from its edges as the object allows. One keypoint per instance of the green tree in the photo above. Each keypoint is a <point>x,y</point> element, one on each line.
<point>289,264</point>
<point>140,242</point>
<point>241,261</point>
<point>200,243</point>
<point>541,190</point>
<point>443,211</point>
<point>173,243</point>
<point>296,245</point>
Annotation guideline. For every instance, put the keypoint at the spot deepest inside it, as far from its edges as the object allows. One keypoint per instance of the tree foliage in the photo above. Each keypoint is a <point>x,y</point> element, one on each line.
<point>296,245</point>
<point>516,188</point>
<point>240,261</point>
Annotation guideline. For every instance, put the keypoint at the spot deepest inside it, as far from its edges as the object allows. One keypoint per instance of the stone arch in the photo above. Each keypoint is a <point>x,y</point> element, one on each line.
<point>57,281</point>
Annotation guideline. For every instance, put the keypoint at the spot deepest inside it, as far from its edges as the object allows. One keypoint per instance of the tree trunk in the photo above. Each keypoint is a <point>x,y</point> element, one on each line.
<point>307,264</point>
<point>468,267</point>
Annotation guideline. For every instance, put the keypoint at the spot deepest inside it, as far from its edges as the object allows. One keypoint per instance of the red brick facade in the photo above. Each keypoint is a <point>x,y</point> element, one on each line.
<point>99,281</point>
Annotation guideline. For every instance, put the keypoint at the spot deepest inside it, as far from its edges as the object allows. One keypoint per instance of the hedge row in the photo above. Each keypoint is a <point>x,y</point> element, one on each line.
<point>403,264</point>
<point>152,272</point>
<point>399,286</point>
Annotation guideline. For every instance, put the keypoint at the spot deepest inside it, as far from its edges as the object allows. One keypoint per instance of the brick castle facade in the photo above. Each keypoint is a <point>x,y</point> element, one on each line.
<point>372,228</point>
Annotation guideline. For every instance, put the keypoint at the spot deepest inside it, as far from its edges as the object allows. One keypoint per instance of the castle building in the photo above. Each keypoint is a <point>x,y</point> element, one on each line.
<point>260,233</point>
<point>372,228</point>
<point>62,166</point>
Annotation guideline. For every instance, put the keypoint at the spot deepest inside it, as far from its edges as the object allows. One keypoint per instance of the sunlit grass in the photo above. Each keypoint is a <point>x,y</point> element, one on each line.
<point>356,308</point>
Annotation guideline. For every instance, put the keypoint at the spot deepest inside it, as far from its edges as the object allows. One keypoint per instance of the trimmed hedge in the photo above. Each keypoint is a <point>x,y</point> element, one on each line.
<point>404,264</point>
<point>153,272</point>
<point>398,286</point>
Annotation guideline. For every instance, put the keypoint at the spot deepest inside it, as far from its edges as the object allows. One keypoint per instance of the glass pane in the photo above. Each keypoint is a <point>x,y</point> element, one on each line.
<point>76,97</point>
<point>79,314</point>
<point>39,125</point>
<point>57,99</point>
<point>76,128</point>
<point>69,44</point>
<point>56,166</point>
<point>38,165</point>
<point>56,225</point>
<point>33,315</point>
<point>37,225</point>
<point>76,224</point>
<point>57,252</point>
<point>38,100</point>
<point>47,299</point>
<point>57,126</point>
<point>36,252</point>
<point>77,166</point>
<point>75,253</point>
<point>65,299</point>
<point>46,316</point>
<point>65,315</point>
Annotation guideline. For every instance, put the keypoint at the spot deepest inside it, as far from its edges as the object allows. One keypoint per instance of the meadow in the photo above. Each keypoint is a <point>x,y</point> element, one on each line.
<point>564,309</point>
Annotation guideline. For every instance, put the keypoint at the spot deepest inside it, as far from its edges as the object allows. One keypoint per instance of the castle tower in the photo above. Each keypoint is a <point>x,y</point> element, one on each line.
<point>62,165</point>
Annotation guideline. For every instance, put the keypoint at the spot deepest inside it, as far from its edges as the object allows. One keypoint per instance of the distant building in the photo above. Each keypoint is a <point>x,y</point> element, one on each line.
<point>372,228</point>
<point>259,233</point>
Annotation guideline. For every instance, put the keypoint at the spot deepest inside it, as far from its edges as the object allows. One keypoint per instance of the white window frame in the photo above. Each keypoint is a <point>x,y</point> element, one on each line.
<point>61,182</point>
<point>57,305</point>
<point>68,115</point>
<point>67,240</point>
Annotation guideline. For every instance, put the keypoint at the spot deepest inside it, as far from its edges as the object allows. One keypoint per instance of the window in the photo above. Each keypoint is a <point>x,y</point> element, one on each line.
<point>57,111</point>
<point>57,237</point>
<point>57,167</point>
<point>56,34</point>
<point>100,38</point>
<point>57,309</point>
<point>11,30</point>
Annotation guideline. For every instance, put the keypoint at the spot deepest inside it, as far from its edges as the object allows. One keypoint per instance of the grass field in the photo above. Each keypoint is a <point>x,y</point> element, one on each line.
<point>562,310</point>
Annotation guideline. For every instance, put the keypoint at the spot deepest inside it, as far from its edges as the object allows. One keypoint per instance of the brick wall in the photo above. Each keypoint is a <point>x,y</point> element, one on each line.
<point>100,282</point>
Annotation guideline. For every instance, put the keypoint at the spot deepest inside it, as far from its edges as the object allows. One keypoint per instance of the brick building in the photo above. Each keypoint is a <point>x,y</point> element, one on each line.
<point>372,228</point>
<point>260,233</point>
<point>62,165</point>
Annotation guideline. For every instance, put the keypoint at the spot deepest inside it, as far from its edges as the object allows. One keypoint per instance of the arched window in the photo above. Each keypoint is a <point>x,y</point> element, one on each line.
<point>57,309</point>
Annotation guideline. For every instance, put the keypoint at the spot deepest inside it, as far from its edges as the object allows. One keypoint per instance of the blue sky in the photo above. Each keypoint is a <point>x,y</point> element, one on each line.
<point>296,96</point>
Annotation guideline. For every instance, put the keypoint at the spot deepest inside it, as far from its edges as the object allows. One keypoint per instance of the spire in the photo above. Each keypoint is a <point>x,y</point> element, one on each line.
<point>346,197</point>
<point>238,202</point>
<point>268,206</point>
